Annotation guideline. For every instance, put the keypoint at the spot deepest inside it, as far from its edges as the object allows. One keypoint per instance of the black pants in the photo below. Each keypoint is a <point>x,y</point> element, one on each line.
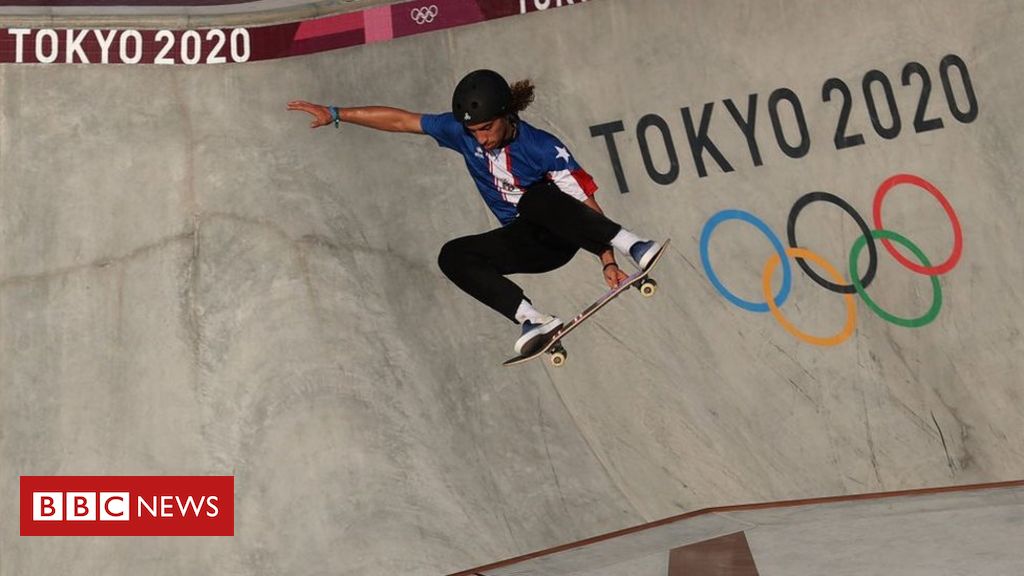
<point>552,226</point>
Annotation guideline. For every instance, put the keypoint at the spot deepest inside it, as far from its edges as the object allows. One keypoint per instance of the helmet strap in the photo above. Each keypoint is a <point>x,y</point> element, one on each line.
<point>513,120</point>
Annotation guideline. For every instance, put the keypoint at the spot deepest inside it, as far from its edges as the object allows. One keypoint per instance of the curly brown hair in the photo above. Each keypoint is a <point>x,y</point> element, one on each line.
<point>522,95</point>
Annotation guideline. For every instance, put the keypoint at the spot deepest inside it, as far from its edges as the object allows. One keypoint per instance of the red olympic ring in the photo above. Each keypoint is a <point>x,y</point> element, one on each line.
<point>958,236</point>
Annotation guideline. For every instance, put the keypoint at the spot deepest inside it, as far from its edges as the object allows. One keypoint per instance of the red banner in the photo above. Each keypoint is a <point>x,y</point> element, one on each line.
<point>237,45</point>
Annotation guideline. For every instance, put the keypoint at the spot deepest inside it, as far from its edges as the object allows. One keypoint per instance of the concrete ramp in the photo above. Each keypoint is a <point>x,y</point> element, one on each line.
<point>193,282</point>
<point>918,532</point>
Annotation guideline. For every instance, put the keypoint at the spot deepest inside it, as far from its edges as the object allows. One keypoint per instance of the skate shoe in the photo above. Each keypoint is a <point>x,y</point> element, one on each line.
<point>643,252</point>
<point>533,334</point>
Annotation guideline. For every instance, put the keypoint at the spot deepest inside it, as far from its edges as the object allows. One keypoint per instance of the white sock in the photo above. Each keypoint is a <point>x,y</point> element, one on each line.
<point>624,240</point>
<point>526,312</point>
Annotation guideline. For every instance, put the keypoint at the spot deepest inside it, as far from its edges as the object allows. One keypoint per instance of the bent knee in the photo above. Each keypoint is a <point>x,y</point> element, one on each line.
<point>453,254</point>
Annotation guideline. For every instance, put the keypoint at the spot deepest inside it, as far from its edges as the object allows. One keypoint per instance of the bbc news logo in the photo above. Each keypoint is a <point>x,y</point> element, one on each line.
<point>127,506</point>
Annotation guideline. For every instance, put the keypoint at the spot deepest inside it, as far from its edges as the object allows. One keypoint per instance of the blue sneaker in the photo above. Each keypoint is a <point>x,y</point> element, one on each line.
<point>643,252</point>
<point>533,334</point>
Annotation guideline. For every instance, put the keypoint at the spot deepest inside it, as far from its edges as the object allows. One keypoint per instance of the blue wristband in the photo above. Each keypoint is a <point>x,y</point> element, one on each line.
<point>334,115</point>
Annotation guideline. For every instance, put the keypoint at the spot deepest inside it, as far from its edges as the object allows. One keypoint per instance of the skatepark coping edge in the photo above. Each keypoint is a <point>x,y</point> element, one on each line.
<point>480,570</point>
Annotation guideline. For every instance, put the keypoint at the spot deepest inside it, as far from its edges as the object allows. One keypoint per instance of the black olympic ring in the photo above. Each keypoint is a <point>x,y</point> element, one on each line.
<point>865,231</point>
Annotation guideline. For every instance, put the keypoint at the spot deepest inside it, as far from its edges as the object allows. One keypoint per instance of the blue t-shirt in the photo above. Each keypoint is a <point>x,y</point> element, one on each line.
<point>503,175</point>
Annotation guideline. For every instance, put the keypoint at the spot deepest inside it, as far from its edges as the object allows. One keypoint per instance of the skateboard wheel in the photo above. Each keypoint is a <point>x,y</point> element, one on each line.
<point>558,357</point>
<point>648,288</point>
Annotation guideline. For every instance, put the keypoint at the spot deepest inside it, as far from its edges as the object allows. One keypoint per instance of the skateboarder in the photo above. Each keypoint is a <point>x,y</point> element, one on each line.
<point>541,196</point>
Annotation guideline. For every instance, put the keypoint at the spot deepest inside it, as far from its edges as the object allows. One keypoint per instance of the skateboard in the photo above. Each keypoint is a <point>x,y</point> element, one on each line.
<point>552,344</point>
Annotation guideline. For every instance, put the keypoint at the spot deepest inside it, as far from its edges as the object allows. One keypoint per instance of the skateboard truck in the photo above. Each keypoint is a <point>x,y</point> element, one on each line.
<point>558,355</point>
<point>647,288</point>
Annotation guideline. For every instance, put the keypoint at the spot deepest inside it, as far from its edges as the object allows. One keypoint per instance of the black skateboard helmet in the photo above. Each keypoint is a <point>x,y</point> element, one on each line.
<point>480,96</point>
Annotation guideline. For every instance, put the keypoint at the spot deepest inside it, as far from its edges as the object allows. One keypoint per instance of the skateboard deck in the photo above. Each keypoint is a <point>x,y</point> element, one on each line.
<point>552,344</point>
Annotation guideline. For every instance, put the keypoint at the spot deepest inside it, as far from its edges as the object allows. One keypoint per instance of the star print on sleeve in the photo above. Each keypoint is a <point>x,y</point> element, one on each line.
<point>569,176</point>
<point>562,153</point>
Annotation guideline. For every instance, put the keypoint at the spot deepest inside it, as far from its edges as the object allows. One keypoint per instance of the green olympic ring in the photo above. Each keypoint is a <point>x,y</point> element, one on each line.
<point>928,316</point>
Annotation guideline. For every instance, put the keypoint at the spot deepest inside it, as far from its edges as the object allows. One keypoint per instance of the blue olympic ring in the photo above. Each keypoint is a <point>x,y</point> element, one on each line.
<point>787,273</point>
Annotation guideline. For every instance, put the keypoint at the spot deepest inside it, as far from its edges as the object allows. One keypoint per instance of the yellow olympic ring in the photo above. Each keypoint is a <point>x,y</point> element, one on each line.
<point>851,305</point>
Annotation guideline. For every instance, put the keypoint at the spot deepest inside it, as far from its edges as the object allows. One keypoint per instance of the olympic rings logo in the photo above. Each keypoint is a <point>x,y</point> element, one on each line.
<point>423,15</point>
<point>857,284</point>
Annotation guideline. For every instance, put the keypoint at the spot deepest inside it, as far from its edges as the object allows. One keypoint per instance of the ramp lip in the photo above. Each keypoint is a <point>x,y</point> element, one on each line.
<point>479,571</point>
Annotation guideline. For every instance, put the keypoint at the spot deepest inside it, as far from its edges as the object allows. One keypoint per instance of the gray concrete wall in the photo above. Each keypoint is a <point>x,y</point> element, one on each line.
<point>193,282</point>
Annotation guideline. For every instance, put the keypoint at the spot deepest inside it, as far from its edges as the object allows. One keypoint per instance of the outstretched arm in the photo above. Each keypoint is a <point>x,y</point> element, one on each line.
<point>376,117</point>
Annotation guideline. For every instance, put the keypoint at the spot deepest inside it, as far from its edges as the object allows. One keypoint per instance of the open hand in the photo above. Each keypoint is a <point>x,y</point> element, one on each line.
<point>614,276</point>
<point>321,114</point>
